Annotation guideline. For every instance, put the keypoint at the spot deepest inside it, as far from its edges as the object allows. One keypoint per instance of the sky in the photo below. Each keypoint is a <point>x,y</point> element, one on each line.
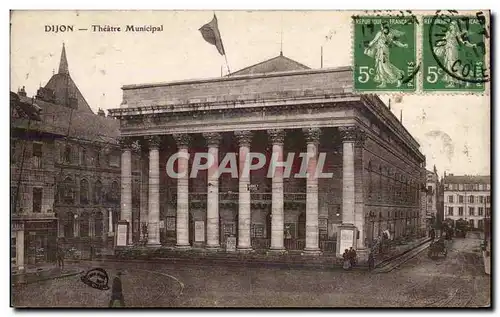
<point>452,129</point>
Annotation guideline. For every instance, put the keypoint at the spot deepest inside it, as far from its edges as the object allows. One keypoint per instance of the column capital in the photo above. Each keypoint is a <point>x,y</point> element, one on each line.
<point>181,139</point>
<point>312,134</point>
<point>244,137</point>
<point>352,134</point>
<point>277,136</point>
<point>213,138</point>
<point>153,141</point>
<point>125,143</point>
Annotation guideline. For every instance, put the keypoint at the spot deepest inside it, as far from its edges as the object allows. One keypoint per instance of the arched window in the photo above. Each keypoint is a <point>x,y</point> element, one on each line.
<point>379,191</point>
<point>67,192</point>
<point>114,196</point>
<point>67,154</point>
<point>98,192</point>
<point>370,180</point>
<point>84,192</point>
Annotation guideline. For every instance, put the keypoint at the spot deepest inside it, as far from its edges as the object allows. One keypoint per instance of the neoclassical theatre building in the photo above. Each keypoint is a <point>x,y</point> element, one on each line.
<point>277,106</point>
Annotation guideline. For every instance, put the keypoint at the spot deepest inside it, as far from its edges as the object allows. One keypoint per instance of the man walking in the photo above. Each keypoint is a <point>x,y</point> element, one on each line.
<point>117,299</point>
<point>371,261</point>
<point>60,257</point>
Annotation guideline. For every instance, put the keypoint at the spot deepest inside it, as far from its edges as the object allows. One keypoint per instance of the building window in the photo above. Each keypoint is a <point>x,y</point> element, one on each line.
<point>84,157</point>
<point>460,211</point>
<point>471,199</point>
<point>481,199</point>
<point>98,192</point>
<point>460,187</point>
<point>13,193</point>
<point>487,199</point>
<point>113,160</point>
<point>480,211</point>
<point>67,191</point>
<point>461,199</point>
<point>480,224</point>
<point>450,211</point>
<point>84,192</point>
<point>487,211</point>
<point>37,199</point>
<point>98,158</point>
<point>114,194</point>
<point>13,147</point>
<point>471,223</point>
<point>429,189</point>
<point>487,186</point>
<point>37,155</point>
<point>67,154</point>
<point>471,211</point>
<point>450,199</point>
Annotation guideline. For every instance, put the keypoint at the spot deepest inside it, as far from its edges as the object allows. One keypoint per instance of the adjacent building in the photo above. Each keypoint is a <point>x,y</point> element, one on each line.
<point>432,186</point>
<point>278,106</point>
<point>467,197</point>
<point>64,172</point>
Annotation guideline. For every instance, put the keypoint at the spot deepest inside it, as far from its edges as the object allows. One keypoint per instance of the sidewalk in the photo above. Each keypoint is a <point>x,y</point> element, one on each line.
<point>34,274</point>
<point>397,251</point>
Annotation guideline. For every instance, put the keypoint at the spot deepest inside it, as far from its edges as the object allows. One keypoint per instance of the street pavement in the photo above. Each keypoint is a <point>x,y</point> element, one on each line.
<point>455,281</point>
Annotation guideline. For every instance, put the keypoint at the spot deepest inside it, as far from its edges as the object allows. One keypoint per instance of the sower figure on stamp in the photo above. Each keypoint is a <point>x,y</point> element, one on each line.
<point>454,38</point>
<point>379,49</point>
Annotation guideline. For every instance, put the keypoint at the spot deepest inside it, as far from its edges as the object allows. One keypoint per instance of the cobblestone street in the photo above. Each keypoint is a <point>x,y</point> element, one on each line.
<point>456,281</point>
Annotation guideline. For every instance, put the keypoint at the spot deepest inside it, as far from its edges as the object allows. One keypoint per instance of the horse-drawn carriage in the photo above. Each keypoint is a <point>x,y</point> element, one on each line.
<point>437,248</point>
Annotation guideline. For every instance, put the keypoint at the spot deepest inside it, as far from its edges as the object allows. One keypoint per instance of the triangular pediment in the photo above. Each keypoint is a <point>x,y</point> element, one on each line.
<point>279,63</point>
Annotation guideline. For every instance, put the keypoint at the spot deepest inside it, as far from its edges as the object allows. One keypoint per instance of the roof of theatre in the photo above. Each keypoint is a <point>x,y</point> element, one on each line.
<point>467,179</point>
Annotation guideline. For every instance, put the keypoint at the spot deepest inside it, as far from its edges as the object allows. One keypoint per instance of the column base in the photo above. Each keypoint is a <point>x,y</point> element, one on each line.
<point>245,250</point>
<point>277,251</point>
<point>313,252</point>
<point>153,244</point>
<point>362,255</point>
<point>213,248</point>
<point>183,247</point>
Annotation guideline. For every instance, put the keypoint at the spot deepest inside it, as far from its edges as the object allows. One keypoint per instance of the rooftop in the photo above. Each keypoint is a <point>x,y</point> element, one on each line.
<point>467,179</point>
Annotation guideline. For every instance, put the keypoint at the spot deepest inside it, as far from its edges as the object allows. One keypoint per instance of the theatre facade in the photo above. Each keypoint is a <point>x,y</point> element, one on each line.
<point>374,170</point>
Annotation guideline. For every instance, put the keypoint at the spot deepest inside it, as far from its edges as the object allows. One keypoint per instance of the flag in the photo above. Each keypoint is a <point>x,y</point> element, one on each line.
<point>211,34</point>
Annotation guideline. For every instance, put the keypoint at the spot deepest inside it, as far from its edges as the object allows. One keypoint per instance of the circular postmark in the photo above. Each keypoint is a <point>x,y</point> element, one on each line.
<point>458,47</point>
<point>96,278</point>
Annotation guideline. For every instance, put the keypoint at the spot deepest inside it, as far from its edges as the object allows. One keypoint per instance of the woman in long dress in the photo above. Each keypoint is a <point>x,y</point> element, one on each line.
<point>379,49</point>
<point>452,39</point>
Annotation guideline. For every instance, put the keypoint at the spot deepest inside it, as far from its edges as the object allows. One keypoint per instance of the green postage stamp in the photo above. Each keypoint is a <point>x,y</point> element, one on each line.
<point>454,52</point>
<point>385,57</point>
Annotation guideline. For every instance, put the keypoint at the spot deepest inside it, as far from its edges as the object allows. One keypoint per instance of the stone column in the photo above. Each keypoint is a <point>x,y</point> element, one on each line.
<point>91,226</point>
<point>154,191</point>
<point>213,140</point>
<point>244,217</point>
<point>20,249</point>
<point>182,141</point>
<point>277,211</point>
<point>126,184</point>
<point>312,229</point>
<point>352,194</point>
<point>348,204</point>
<point>144,218</point>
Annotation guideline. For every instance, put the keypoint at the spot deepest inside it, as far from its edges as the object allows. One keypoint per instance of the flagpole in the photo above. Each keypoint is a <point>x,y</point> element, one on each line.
<point>227,64</point>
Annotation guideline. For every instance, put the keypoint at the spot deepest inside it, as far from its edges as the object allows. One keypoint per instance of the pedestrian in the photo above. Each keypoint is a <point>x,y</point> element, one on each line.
<point>60,257</point>
<point>433,234</point>
<point>352,256</point>
<point>117,299</point>
<point>371,261</point>
<point>347,262</point>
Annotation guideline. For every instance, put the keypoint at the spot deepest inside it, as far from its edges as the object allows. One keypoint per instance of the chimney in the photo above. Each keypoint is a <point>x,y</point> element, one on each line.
<point>21,92</point>
<point>101,113</point>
